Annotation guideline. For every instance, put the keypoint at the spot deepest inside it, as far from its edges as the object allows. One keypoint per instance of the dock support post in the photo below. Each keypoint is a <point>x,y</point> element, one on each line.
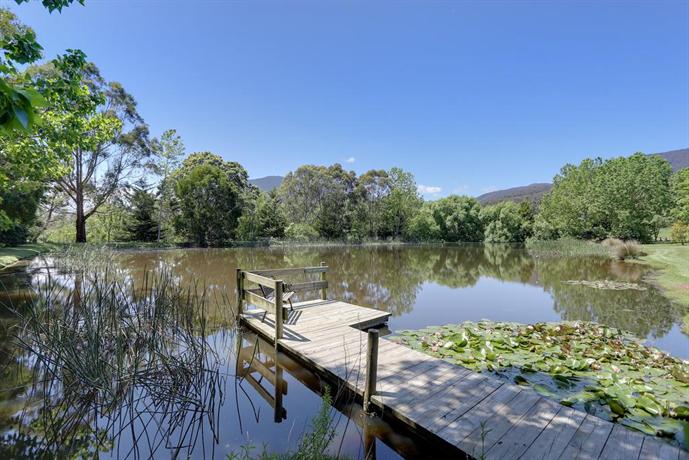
<point>240,292</point>
<point>371,369</point>
<point>324,291</point>
<point>278,312</point>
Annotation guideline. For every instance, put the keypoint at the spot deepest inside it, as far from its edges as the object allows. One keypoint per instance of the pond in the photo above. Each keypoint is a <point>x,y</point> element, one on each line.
<point>419,285</point>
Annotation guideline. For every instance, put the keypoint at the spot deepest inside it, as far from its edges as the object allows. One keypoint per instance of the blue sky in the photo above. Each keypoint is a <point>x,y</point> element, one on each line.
<point>469,96</point>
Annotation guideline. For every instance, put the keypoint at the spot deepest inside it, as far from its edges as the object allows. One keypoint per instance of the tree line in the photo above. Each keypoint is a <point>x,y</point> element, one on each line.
<point>80,164</point>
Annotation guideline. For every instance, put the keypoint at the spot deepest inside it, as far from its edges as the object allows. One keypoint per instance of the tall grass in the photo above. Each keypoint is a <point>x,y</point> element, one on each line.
<point>107,359</point>
<point>566,247</point>
<point>621,249</point>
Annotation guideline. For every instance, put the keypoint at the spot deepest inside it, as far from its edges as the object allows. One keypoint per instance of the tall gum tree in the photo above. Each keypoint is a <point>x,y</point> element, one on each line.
<point>95,125</point>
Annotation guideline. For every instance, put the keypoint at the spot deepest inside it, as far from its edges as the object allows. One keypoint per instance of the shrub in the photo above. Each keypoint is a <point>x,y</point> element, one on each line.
<point>301,232</point>
<point>623,249</point>
<point>679,232</point>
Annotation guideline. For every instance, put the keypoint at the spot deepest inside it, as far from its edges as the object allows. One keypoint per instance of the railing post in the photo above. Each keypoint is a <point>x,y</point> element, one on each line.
<point>278,312</point>
<point>240,293</point>
<point>371,369</point>
<point>324,291</point>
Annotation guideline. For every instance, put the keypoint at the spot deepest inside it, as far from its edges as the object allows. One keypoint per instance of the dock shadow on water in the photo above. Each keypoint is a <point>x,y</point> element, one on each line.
<point>100,360</point>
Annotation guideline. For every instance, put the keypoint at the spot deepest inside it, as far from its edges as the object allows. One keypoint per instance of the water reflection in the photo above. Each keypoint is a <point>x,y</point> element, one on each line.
<point>394,278</point>
<point>241,392</point>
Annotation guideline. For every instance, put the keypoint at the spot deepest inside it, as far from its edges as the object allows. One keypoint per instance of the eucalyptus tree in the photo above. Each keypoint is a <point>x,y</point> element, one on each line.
<point>320,197</point>
<point>169,150</point>
<point>96,125</point>
<point>372,188</point>
<point>402,203</point>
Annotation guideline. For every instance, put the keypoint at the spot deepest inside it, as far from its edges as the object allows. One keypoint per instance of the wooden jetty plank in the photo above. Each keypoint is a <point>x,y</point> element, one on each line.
<point>655,449</point>
<point>504,417</point>
<point>588,440</point>
<point>525,431</point>
<point>448,400</point>
<point>554,438</point>
<point>622,444</point>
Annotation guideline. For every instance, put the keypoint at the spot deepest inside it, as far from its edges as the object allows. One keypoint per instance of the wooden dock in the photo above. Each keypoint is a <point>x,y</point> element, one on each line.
<point>481,415</point>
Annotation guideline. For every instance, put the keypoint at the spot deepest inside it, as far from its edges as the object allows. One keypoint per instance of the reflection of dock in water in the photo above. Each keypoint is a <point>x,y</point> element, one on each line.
<point>479,414</point>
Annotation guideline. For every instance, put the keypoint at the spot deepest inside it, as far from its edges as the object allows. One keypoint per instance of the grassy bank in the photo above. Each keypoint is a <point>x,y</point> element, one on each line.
<point>11,255</point>
<point>672,262</point>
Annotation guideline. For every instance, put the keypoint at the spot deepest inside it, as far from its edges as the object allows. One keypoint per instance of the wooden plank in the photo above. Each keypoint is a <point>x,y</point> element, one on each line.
<point>307,286</point>
<point>258,301</point>
<point>504,417</point>
<point>459,428</point>
<point>259,279</point>
<point>523,432</point>
<point>290,271</point>
<point>622,444</point>
<point>588,440</point>
<point>556,435</point>
<point>656,449</point>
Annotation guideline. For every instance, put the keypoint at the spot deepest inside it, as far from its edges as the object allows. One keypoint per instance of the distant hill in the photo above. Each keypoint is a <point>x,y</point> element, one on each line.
<point>678,159</point>
<point>532,192</point>
<point>267,183</point>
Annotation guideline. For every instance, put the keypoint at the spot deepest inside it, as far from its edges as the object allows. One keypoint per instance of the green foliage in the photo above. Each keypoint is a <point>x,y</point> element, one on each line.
<point>301,232</point>
<point>507,222</point>
<point>372,189</point>
<point>321,197</point>
<point>680,195</point>
<point>422,226</point>
<point>141,224</point>
<point>53,5</point>
<point>679,232</point>
<point>402,203</point>
<point>458,219</point>
<point>595,368</point>
<point>621,197</point>
<point>263,219</point>
<point>565,247</point>
<point>169,150</point>
<point>211,194</point>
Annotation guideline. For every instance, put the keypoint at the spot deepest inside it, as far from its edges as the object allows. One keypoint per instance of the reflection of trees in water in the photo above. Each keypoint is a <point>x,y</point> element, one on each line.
<point>644,313</point>
<point>390,277</point>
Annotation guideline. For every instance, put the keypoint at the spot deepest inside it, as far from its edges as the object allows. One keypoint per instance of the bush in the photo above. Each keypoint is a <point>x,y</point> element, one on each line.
<point>679,232</point>
<point>301,232</point>
<point>507,222</point>
<point>623,249</point>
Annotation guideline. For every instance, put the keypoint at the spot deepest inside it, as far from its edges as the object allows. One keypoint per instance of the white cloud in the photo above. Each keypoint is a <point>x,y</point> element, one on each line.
<point>350,160</point>
<point>429,189</point>
<point>489,189</point>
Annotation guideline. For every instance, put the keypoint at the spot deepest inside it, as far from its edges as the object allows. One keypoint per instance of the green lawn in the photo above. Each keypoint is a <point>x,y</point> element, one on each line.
<point>11,255</point>
<point>672,262</point>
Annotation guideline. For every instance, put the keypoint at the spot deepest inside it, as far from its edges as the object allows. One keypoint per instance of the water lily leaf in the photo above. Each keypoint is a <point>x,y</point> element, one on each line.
<point>648,405</point>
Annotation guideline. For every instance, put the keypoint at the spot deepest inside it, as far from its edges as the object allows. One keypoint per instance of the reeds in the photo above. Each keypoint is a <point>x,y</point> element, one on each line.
<point>621,249</point>
<point>107,359</point>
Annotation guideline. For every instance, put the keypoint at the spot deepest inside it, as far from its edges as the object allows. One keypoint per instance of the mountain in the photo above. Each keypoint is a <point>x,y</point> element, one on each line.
<point>678,159</point>
<point>267,183</point>
<point>532,192</point>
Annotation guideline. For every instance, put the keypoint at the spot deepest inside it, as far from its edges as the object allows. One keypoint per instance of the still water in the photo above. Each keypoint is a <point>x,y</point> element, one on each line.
<point>272,404</point>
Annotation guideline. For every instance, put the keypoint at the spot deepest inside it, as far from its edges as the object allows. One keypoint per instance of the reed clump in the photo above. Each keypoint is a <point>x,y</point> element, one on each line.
<point>108,358</point>
<point>623,249</point>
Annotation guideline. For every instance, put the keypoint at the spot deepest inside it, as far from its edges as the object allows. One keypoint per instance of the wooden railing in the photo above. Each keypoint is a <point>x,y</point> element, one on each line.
<point>266,289</point>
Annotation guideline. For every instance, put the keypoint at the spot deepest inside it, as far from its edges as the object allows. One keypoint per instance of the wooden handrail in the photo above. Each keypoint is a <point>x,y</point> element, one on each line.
<point>266,279</point>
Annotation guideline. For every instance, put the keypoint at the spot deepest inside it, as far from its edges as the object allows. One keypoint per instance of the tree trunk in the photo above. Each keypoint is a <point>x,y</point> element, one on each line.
<point>81,219</point>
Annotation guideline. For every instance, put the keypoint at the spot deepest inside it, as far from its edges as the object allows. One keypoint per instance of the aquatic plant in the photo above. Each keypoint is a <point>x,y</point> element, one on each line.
<point>108,359</point>
<point>566,247</point>
<point>596,368</point>
<point>312,446</point>
<point>607,284</point>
